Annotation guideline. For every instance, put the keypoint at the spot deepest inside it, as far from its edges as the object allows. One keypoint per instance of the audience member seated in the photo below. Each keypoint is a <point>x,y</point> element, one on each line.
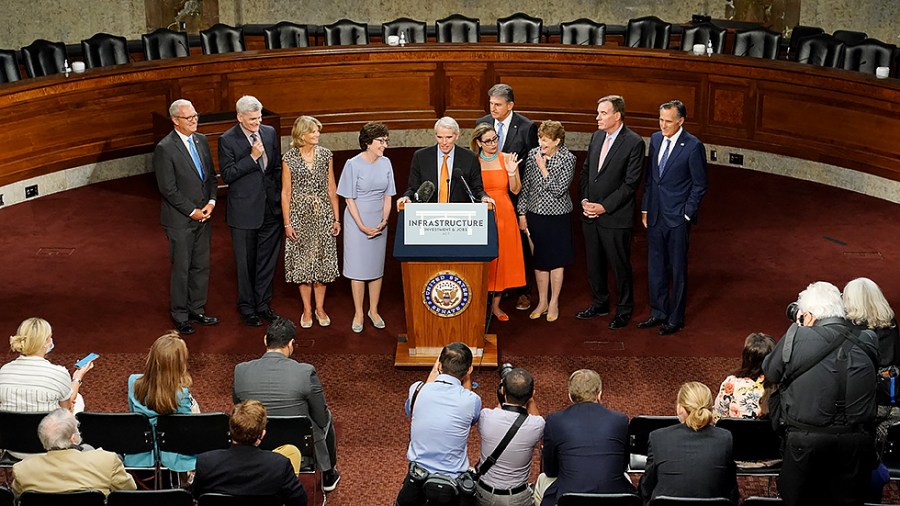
<point>441,409</point>
<point>67,467</point>
<point>745,393</point>
<point>585,445</point>
<point>30,383</point>
<point>244,469</point>
<point>162,390</point>
<point>287,387</point>
<point>506,481</point>
<point>868,309</point>
<point>693,458</point>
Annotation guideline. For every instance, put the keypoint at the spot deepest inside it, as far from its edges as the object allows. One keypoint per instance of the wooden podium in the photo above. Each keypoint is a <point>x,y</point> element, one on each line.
<point>445,296</point>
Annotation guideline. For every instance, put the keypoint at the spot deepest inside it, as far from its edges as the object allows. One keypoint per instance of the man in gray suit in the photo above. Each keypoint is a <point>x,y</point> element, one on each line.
<point>187,181</point>
<point>289,388</point>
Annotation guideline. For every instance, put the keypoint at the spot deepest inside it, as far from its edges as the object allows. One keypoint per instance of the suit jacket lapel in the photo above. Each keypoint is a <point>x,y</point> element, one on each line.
<point>179,145</point>
<point>675,152</point>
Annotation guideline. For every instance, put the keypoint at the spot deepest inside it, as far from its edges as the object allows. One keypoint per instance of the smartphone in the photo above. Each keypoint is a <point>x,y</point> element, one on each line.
<point>86,360</point>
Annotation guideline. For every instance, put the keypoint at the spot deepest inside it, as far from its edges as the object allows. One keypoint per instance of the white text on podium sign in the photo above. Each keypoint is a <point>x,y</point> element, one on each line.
<point>450,224</point>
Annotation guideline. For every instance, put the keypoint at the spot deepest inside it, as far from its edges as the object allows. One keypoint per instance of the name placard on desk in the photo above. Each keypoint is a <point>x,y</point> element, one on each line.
<point>445,224</point>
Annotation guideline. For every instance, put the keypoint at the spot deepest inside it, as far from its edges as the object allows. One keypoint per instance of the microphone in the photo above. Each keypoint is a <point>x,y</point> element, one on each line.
<point>458,173</point>
<point>425,191</point>
<point>747,49</point>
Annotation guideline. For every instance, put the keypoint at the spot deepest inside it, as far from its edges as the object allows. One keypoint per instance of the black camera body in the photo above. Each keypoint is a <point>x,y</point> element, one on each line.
<point>503,371</point>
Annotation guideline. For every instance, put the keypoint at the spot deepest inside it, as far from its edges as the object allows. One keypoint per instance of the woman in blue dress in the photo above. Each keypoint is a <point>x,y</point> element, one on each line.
<point>367,184</point>
<point>161,390</point>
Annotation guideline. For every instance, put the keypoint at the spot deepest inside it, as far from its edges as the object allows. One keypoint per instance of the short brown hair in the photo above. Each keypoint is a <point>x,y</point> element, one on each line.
<point>617,102</point>
<point>553,130</point>
<point>248,421</point>
<point>480,129</point>
<point>585,385</point>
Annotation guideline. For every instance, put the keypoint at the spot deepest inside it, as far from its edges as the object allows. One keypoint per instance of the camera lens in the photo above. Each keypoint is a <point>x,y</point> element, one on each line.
<point>791,311</point>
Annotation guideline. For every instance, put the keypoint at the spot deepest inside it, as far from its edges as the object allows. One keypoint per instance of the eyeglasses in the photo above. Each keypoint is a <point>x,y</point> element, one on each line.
<point>383,140</point>
<point>492,140</point>
<point>193,117</point>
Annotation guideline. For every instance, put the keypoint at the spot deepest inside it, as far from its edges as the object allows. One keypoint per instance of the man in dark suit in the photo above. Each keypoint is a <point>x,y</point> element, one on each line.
<point>516,134</point>
<point>244,469</point>
<point>445,164</point>
<point>676,183</point>
<point>250,161</point>
<point>187,181</point>
<point>611,175</point>
<point>585,445</point>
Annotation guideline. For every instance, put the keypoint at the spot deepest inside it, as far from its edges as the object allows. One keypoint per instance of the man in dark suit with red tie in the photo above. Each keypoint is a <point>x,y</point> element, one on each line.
<point>250,161</point>
<point>676,183</point>
<point>187,181</point>
<point>611,175</point>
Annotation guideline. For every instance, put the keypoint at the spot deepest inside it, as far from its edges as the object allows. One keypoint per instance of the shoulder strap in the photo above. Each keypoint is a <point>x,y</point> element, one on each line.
<point>785,382</point>
<point>412,402</point>
<point>492,459</point>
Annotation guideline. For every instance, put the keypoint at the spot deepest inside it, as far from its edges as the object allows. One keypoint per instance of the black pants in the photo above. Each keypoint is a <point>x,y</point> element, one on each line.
<point>821,468</point>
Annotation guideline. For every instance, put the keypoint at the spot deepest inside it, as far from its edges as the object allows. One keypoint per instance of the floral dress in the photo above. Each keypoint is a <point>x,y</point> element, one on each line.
<point>739,397</point>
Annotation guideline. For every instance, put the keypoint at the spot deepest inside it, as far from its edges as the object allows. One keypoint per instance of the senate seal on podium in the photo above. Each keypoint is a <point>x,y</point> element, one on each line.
<point>446,294</point>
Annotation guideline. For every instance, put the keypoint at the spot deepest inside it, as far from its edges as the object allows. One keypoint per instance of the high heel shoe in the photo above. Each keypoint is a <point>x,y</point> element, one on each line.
<point>377,324</point>
<point>324,321</point>
<point>537,314</point>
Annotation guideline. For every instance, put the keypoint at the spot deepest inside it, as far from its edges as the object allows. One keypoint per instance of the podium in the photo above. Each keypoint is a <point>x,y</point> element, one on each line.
<point>445,252</point>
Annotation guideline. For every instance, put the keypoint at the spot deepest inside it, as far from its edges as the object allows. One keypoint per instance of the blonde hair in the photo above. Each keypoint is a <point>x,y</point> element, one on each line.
<point>866,304</point>
<point>165,374</point>
<point>696,400</point>
<point>302,126</point>
<point>31,336</point>
<point>584,386</point>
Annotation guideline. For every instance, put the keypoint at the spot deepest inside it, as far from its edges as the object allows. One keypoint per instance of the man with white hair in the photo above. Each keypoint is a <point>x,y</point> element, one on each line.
<point>826,380</point>
<point>448,167</point>
<point>66,467</point>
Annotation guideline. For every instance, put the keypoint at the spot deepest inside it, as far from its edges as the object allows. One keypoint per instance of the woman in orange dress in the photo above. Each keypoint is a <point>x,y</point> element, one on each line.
<point>500,174</point>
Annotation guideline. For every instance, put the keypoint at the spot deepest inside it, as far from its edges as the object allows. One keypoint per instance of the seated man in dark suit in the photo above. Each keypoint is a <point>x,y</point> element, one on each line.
<point>244,469</point>
<point>585,445</point>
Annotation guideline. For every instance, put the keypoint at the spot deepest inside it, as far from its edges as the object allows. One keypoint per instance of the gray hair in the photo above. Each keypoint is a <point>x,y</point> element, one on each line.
<point>248,103</point>
<point>176,105</point>
<point>866,304</point>
<point>503,91</point>
<point>57,428</point>
<point>822,300</point>
<point>446,122</point>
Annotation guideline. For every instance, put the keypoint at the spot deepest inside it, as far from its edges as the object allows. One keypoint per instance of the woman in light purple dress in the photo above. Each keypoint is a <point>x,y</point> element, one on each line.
<point>367,184</point>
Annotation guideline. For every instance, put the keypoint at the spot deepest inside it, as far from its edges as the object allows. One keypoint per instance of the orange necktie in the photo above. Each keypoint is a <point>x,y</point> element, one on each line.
<point>444,193</point>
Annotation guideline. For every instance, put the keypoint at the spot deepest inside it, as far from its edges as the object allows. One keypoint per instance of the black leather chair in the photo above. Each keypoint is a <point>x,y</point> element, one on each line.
<point>212,499</point>
<point>577,499</point>
<point>702,32</point>
<point>297,431</point>
<point>220,38</point>
<point>822,50</point>
<point>6,497</point>
<point>122,433</point>
<point>457,28</point>
<point>753,440</point>
<point>80,498</point>
<point>286,34</point>
<point>639,429</point>
<point>520,28</point>
<point>415,30</point>
<point>690,501</point>
<point>192,434</point>
<point>18,433</point>
<point>164,43</point>
<point>849,36</point>
<point>797,34</point>
<point>758,43</point>
<point>649,32</point>
<point>168,497</point>
<point>42,58</point>
<point>582,32</point>
<point>868,55</point>
<point>345,32</point>
<point>9,66</point>
<point>103,49</point>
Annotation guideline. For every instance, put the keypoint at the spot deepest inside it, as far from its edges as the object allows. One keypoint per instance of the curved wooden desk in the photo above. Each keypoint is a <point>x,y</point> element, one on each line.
<point>832,116</point>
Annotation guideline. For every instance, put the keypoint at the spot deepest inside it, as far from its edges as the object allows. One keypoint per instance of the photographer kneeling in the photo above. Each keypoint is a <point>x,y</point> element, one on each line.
<point>441,411</point>
<point>825,370</point>
<point>504,468</point>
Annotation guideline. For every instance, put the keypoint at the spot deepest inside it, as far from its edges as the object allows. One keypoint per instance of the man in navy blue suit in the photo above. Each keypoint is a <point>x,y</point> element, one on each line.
<point>250,162</point>
<point>676,183</point>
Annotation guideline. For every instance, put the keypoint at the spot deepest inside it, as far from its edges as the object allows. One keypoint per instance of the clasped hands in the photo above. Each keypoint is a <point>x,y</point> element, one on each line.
<point>592,209</point>
<point>203,214</point>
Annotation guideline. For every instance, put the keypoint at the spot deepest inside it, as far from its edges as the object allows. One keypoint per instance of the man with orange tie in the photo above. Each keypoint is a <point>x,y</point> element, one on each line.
<point>453,170</point>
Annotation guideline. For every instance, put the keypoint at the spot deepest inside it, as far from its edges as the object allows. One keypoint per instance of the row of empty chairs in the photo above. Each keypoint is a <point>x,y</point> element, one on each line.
<point>843,49</point>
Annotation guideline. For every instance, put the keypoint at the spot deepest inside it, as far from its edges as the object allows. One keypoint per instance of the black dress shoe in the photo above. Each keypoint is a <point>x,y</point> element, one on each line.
<point>669,329</point>
<point>184,328</point>
<point>251,320</point>
<point>620,321</point>
<point>592,311</point>
<point>269,315</point>
<point>202,319</point>
<point>650,323</point>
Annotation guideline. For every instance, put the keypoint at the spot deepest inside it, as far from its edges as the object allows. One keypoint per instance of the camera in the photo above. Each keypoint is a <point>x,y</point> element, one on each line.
<point>503,371</point>
<point>792,310</point>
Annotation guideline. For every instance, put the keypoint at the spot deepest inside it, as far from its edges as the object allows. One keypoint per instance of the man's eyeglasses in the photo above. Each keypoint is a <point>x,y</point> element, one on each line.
<point>383,140</point>
<point>193,117</point>
<point>492,140</point>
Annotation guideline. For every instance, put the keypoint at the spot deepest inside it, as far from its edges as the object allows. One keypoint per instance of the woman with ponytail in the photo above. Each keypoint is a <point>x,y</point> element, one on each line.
<point>693,458</point>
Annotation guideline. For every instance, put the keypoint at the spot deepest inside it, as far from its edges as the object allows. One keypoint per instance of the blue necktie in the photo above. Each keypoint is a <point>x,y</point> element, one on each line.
<point>196,156</point>
<point>664,159</point>
<point>500,138</point>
